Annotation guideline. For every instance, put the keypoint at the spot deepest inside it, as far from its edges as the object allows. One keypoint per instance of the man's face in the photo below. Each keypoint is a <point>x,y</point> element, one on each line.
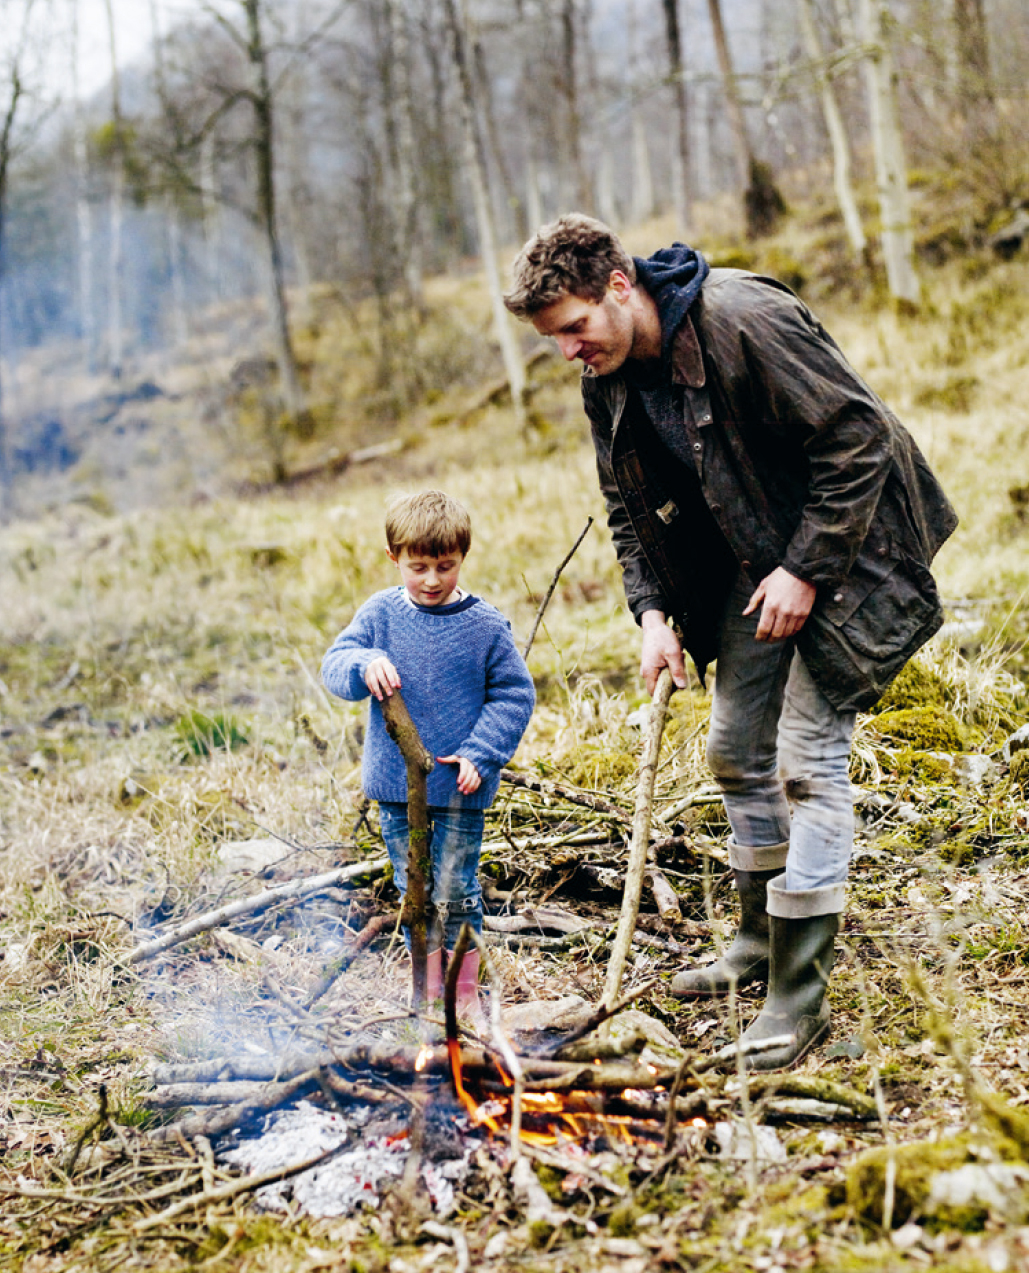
<point>600,333</point>
<point>430,581</point>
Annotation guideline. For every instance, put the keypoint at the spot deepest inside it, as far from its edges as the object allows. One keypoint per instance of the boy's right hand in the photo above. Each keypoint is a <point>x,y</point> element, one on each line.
<point>381,677</point>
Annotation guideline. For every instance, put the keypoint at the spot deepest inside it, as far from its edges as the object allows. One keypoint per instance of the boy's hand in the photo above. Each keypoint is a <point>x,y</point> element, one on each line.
<point>468,779</point>
<point>381,677</point>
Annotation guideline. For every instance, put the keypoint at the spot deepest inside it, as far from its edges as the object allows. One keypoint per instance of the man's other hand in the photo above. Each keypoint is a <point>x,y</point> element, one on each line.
<point>785,603</point>
<point>661,649</point>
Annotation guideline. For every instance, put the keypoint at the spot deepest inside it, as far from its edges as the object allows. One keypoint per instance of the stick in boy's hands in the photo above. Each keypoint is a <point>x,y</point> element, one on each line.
<point>381,677</point>
<point>468,778</point>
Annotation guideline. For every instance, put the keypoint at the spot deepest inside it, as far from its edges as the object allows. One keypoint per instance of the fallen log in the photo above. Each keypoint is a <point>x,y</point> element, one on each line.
<point>292,891</point>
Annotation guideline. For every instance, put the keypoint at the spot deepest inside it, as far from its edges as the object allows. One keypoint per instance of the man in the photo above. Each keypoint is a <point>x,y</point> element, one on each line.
<point>763,497</point>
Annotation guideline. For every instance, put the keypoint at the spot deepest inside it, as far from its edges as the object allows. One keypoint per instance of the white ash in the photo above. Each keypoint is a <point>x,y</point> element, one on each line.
<point>345,1183</point>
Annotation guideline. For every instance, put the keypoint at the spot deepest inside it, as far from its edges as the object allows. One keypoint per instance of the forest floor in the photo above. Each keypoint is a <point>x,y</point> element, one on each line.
<point>166,749</point>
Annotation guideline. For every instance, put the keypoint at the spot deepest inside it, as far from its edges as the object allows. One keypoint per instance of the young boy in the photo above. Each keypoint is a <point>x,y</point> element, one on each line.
<point>469,694</point>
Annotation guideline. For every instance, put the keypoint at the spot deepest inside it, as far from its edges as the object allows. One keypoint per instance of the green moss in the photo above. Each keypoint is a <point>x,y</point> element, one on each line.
<point>621,1223</point>
<point>925,728</point>
<point>914,1167</point>
<point>916,685</point>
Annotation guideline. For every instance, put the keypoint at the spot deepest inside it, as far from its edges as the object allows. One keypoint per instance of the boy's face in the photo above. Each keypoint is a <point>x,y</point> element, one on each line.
<point>430,581</point>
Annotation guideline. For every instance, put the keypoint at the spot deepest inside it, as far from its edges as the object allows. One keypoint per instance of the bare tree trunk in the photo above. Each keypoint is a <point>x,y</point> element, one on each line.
<point>409,237</point>
<point>837,134</point>
<point>762,202</point>
<point>116,218</point>
<point>83,211</point>
<point>890,165</point>
<point>573,117</point>
<point>6,143</point>
<point>173,231</point>
<point>681,201</point>
<point>261,99</point>
<point>477,169</point>
<point>211,212</point>
<point>975,90</point>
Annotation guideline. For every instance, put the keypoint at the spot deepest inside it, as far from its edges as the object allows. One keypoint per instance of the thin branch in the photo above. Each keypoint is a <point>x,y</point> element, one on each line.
<point>550,591</point>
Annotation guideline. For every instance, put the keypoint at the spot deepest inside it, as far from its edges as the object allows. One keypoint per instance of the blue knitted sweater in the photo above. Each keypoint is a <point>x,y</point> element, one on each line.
<point>463,681</point>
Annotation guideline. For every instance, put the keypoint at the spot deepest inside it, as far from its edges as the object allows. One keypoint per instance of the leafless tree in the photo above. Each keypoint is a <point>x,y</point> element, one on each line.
<point>476,166</point>
<point>891,176</point>
<point>681,200</point>
<point>762,201</point>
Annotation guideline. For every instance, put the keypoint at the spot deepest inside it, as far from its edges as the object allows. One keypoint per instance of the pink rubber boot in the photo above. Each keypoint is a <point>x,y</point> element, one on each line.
<point>469,1006</point>
<point>434,975</point>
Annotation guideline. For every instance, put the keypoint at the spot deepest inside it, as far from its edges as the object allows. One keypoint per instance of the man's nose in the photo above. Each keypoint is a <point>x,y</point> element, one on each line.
<point>569,346</point>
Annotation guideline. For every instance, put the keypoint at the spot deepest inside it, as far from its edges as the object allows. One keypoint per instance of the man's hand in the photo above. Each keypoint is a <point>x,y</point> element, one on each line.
<point>381,677</point>
<point>785,603</point>
<point>661,649</point>
<point>468,779</point>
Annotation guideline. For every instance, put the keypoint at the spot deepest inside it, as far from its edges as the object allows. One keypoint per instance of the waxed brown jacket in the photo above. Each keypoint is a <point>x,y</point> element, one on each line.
<point>801,466</point>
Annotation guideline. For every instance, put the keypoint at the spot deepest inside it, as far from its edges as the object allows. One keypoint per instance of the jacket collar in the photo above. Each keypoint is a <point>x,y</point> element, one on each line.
<point>687,360</point>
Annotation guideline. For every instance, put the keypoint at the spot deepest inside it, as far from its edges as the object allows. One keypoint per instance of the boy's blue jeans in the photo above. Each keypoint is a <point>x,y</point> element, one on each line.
<point>455,843</point>
<point>780,752</point>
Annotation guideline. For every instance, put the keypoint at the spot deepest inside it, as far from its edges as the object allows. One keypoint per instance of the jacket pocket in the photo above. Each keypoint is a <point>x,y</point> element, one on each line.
<point>880,609</point>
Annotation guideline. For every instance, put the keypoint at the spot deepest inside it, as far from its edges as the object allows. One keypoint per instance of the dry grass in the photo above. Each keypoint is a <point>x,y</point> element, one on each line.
<point>114,628</point>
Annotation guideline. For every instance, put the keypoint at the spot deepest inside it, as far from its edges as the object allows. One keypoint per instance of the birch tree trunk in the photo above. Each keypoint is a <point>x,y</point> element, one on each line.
<point>172,229</point>
<point>890,165</point>
<point>83,210</point>
<point>837,134</point>
<point>514,365</point>
<point>261,99</point>
<point>116,215</point>
<point>681,201</point>
<point>6,145</point>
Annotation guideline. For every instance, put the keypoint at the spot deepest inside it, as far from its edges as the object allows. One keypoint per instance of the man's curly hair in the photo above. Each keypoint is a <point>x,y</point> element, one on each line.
<point>574,255</point>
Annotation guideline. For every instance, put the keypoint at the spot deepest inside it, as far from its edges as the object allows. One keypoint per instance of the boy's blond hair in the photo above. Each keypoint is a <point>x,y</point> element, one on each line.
<point>430,522</point>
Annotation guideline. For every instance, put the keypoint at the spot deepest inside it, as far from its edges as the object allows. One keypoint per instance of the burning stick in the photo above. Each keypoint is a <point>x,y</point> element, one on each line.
<point>401,728</point>
<point>640,837</point>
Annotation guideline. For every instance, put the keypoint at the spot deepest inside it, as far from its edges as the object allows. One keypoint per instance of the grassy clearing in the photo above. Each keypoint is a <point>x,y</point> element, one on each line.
<point>118,634</point>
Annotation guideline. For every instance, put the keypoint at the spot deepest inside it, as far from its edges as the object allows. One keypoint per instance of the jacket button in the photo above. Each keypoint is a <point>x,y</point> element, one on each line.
<point>716,508</point>
<point>705,419</point>
<point>745,565</point>
<point>838,596</point>
<point>697,446</point>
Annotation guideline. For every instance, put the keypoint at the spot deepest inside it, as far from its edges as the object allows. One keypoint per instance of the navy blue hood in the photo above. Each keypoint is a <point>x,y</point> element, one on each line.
<point>673,277</point>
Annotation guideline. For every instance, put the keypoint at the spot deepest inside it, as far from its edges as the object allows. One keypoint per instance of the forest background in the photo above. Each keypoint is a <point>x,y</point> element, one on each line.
<point>248,288</point>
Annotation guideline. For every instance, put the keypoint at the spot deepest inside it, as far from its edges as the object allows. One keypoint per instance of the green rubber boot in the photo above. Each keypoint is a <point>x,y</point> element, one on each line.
<point>746,959</point>
<point>802,928</point>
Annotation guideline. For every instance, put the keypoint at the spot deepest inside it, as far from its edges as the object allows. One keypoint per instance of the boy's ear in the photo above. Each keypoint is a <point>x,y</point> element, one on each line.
<point>392,556</point>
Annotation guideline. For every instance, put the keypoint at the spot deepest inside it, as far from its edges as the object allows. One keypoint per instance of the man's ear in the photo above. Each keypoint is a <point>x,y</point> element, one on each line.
<point>620,283</point>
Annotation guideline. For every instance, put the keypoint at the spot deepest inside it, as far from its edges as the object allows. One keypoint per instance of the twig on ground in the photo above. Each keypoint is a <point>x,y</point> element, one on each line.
<point>294,890</point>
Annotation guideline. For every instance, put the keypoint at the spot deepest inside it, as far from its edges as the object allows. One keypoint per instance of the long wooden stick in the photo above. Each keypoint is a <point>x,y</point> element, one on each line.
<point>640,837</point>
<point>402,729</point>
<point>294,890</point>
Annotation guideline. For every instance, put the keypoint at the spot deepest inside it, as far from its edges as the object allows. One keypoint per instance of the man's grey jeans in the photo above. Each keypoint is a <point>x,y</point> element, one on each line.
<point>780,752</point>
